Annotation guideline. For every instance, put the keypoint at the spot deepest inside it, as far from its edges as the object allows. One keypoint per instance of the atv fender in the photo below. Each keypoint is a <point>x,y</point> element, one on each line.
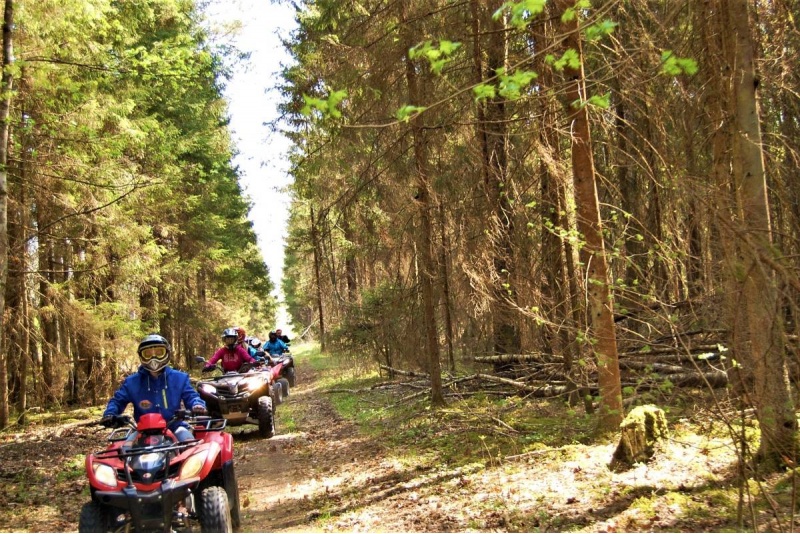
<point>225,443</point>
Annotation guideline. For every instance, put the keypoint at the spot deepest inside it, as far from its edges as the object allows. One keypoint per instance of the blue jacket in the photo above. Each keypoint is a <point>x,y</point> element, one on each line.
<point>150,394</point>
<point>275,348</point>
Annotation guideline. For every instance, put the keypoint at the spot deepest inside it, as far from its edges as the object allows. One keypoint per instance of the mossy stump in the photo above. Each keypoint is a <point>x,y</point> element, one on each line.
<point>642,429</point>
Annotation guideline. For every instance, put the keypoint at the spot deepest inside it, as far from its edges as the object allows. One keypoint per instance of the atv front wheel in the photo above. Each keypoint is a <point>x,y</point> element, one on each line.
<point>215,513</point>
<point>276,391</point>
<point>284,384</point>
<point>94,518</point>
<point>266,418</point>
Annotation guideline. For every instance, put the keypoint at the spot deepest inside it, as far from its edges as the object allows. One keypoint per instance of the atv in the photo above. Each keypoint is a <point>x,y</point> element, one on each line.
<point>284,363</point>
<point>146,480</point>
<point>248,396</point>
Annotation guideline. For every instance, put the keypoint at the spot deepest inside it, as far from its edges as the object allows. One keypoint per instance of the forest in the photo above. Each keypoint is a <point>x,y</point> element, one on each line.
<point>121,213</point>
<point>594,201</point>
<point>584,186</point>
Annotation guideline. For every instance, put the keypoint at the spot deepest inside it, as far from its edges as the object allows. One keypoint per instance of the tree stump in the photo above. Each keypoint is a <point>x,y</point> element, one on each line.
<point>641,430</point>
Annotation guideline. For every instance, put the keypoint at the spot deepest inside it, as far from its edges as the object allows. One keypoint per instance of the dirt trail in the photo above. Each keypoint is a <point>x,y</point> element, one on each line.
<point>284,481</point>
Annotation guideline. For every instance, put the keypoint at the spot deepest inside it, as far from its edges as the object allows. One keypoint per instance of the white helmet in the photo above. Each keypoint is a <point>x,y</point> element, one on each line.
<point>154,352</point>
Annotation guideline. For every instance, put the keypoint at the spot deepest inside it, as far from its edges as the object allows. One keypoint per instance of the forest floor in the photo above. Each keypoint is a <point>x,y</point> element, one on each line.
<point>343,461</point>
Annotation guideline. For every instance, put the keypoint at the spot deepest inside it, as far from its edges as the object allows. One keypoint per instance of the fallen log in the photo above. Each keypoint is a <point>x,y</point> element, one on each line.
<point>676,357</point>
<point>673,350</point>
<point>713,379</point>
<point>652,366</point>
<point>536,391</point>
<point>403,373</point>
<point>518,358</point>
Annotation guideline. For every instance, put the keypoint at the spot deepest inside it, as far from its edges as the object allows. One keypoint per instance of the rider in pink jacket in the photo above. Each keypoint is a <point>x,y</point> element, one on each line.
<point>232,354</point>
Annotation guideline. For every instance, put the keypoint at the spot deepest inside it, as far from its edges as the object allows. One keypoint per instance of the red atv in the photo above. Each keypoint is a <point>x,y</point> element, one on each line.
<point>146,480</point>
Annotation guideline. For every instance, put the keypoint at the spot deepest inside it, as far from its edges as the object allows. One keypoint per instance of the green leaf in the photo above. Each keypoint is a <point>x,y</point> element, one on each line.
<point>569,59</point>
<point>569,15</point>
<point>520,12</point>
<point>597,31</point>
<point>672,65</point>
<point>311,104</point>
<point>333,101</point>
<point>511,86</point>
<point>437,55</point>
<point>600,101</point>
<point>406,112</point>
<point>484,91</point>
<point>448,47</point>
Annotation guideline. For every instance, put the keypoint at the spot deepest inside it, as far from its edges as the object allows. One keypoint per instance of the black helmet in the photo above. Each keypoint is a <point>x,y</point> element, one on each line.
<point>154,352</point>
<point>273,336</point>
<point>229,337</point>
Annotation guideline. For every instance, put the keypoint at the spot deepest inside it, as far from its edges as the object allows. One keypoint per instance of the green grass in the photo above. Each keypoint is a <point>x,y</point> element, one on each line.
<point>475,429</point>
<point>73,469</point>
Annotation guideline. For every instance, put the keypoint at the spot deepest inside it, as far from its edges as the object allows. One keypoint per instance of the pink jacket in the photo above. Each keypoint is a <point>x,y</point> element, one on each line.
<point>231,359</point>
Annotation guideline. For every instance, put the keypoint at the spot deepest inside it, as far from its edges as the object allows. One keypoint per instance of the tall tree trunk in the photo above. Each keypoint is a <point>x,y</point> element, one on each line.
<point>6,85</point>
<point>445,274</point>
<point>15,285</point>
<point>593,255</point>
<point>771,395</point>
<point>426,206</point>
<point>506,331</point>
<point>315,243</point>
<point>47,317</point>
<point>350,265</point>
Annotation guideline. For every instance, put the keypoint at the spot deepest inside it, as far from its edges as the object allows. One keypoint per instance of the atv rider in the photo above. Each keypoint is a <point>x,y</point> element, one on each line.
<point>274,346</point>
<point>258,350</point>
<point>283,337</point>
<point>156,388</point>
<point>244,341</point>
<point>232,354</point>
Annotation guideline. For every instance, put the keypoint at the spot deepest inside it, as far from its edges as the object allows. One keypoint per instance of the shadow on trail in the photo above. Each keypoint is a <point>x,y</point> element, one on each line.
<point>371,491</point>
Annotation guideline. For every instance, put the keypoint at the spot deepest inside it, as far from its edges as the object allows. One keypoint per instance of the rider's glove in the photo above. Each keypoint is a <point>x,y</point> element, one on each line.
<point>115,421</point>
<point>108,421</point>
<point>199,409</point>
<point>208,368</point>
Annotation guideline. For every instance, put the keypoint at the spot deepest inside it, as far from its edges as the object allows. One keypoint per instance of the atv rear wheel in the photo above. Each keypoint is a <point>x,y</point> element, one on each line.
<point>284,386</point>
<point>215,513</point>
<point>94,518</point>
<point>290,376</point>
<point>266,418</point>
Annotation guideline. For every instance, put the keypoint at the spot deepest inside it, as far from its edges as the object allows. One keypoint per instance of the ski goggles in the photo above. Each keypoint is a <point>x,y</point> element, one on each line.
<point>156,352</point>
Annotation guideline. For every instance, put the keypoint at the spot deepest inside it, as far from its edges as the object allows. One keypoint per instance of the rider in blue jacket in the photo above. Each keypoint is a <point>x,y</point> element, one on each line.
<point>156,388</point>
<point>274,346</point>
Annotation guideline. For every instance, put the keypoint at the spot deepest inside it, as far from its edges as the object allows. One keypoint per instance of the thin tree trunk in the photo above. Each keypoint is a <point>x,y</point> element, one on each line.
<point>5,107</point>
<point>506,331</point>
<point>445,273</point>
<point>426,206</point>
<point>47,319</point>
<point>599,297</point>
<point>350,265</point>
<point>317,276</point>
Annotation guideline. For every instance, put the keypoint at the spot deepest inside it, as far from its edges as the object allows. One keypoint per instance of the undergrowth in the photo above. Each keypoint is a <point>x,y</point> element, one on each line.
<point>692,483</point>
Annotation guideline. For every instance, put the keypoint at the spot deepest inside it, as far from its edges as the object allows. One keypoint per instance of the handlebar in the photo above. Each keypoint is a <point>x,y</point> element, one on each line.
<point>115,421</point>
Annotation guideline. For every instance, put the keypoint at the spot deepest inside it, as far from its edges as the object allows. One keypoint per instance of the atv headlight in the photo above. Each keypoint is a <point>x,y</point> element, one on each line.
<point>193,465</point>
<point>251,384</point>
<point>105,474</point>
<point>208,388</point>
